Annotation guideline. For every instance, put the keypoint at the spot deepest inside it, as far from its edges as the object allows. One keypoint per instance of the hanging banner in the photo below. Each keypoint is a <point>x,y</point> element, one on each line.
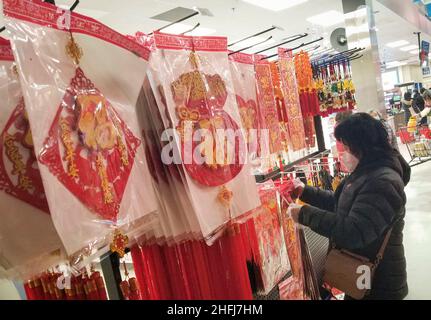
<point>290,87</point>
<point>425,49</point>
<point>266,101</point>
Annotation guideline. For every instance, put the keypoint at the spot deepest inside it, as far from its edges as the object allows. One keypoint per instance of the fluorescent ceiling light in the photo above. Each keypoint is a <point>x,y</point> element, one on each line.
<point>179,28</point>
<point>326,19</point>
<point>397,44</point>
<point>409,48</point>
<point>394,64</point>
<point>275,5</point>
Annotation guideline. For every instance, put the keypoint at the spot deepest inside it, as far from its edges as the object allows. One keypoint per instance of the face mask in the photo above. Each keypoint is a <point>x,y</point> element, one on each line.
<point>349,161</point>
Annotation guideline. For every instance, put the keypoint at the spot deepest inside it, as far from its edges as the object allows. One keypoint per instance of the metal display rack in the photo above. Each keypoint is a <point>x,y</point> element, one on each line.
<point>110,262</point>
<point>418,143</point>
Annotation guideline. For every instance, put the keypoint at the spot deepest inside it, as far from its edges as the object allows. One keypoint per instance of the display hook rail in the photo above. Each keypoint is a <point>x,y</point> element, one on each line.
<point>255,35</point>
<point>295,48</point>
<point>291,39</point>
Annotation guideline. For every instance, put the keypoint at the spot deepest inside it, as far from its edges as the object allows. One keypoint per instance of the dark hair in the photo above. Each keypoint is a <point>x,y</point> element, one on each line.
<point>408,96</point>
<point>342,116</point>
<point>365,136</point>
<point>423,90</point>
<point>427,95</point>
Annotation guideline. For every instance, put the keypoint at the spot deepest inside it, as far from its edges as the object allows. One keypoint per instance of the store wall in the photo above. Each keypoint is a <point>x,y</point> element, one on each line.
<point>8,291</point>
<point>366,71</point>
<point>412,73</point>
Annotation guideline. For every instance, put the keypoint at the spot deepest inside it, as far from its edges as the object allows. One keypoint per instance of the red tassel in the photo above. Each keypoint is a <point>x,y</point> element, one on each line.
<point>135,293</point>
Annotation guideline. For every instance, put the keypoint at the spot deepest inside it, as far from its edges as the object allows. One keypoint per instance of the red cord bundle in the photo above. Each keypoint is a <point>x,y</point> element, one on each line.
<point>193,270</point>
<point>45,287</point>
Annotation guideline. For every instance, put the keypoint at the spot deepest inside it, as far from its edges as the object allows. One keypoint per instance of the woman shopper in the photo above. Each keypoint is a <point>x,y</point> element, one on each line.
<point>365,205</point>
<point>423,115</point>
<point>391,134</point>
<point>419,105</point>
<point>407,107</point>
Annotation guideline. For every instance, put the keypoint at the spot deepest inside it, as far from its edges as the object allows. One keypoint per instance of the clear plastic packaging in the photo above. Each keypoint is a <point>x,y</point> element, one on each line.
<point>192,84</point>
<point>273,262</point>
<point>244,82</point>
<point>297,148</point>
<point>81,85</point>
<point>29,242</point>
<point>267,106</point>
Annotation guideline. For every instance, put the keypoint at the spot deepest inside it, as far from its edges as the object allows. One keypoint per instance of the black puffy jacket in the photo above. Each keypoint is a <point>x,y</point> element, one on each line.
<point>357,216</point>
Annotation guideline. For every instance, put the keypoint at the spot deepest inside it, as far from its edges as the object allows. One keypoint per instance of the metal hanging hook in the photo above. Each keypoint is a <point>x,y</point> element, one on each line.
<point>192,29</point>
<point>255,35</point>
<point>249,47</point>
<point>177,21</point>
<point>292,39</point>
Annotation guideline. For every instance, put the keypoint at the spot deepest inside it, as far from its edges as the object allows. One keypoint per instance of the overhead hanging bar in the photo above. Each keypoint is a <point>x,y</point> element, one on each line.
<point>74,5</point>
<point>254,35</point>
<point>293,38</point>
<point>295,48</point>
<point>305,44</point>
<point>2,29</point>
<point>249,47</point>
<point>330,58</point>
<point>177,21</point>
<point>192,29</point>
<point>312,49</point>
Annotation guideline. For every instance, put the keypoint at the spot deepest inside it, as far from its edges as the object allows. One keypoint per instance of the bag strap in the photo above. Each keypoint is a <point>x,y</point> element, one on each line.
<point>385,242</point>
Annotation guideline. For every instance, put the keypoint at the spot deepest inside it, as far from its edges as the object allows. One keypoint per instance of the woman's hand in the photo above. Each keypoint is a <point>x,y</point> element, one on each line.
<point>293,211</point>
<point>298,188</point>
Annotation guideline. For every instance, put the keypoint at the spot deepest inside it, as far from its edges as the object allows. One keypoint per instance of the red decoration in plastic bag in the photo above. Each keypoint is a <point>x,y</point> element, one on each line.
<point>90,149</point>
<point>19,173</point>
<point>199,99</point>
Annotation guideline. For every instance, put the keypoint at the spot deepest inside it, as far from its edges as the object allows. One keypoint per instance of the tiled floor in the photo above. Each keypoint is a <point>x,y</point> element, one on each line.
<point>417,232</point>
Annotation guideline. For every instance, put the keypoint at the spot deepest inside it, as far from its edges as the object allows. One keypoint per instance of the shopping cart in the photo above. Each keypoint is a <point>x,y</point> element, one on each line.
<point>418,142</point>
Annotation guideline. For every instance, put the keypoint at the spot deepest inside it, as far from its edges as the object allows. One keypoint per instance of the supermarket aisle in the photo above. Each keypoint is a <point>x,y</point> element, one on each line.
<point>417,232</point>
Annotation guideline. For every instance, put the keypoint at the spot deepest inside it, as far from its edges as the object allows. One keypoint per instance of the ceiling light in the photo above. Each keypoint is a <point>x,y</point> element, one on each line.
<point>179,28</point>
<point>275,5</point>
<point>326,19</point>
<point>409,48</point>
<point>397,44</point>
<point>394,64</point>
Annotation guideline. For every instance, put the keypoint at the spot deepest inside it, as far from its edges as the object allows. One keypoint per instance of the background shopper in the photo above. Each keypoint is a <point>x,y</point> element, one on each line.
<point>407,106</point>
<point>391,134</point>
<point>419,104</point>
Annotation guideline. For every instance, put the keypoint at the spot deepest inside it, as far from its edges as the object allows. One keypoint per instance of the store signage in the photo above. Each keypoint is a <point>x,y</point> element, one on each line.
<point>426,71</point>
<point>425,49</point>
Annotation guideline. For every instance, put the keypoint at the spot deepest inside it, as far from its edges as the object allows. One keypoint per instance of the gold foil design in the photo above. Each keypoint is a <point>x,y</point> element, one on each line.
<point>123,152</point>
<point>66,138</point>
<point>73,50</point>
<point>106,188</point>
<point>19,168</point>
<point>225,196</point>
<point>119,243</point>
